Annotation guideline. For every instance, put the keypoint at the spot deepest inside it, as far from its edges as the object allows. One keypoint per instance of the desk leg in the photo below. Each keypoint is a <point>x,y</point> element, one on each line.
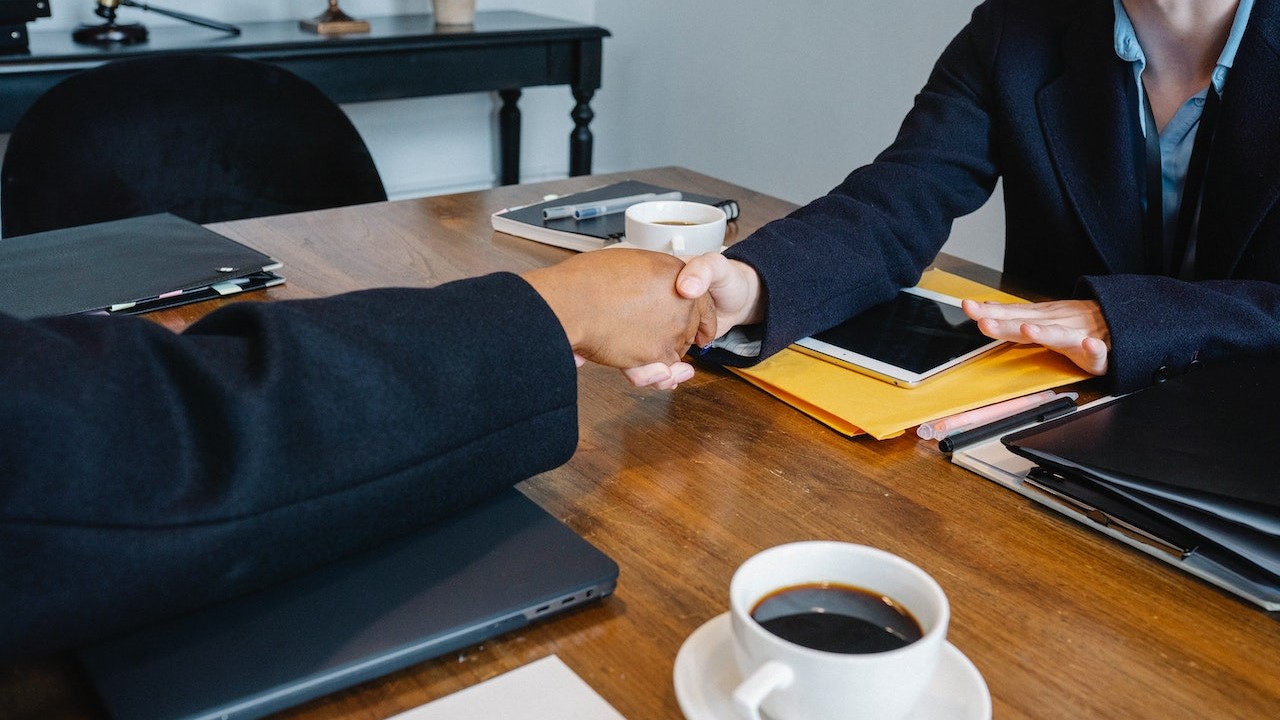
<point>580,138</point>
<point>509,136</point>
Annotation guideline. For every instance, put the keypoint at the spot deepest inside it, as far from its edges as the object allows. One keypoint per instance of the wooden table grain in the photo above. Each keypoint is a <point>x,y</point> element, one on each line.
<point>680,488</point>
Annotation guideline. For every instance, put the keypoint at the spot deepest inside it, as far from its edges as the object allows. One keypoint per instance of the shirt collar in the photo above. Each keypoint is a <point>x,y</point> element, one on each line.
<point>1127,48</point>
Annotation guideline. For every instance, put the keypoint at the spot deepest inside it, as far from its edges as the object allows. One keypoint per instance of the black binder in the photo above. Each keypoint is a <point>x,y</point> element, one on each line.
<point>1187,467</point>
<point>125,266</point>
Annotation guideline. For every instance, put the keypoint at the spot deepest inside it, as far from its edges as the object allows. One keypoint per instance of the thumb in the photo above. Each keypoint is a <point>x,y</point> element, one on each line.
<point>695,277</point>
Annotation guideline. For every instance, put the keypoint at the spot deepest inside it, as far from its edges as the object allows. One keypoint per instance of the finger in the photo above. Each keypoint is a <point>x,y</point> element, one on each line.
<point>1095,355</point>
<point>680,372</point>
<point>708,323</point>
<point>1008,330</point>
<point>578,360</point>
<point>1055,337</point>
<point>697,276</point>
<point>998,310</point>
<point>1089,353</point>
<point>646,375</point>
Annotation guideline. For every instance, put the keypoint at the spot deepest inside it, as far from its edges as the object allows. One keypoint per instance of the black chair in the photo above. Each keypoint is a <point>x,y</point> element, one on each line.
<point>205,137</point>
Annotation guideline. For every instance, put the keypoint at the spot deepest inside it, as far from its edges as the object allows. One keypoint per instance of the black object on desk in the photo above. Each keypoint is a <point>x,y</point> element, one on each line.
<point>1189,461</point>
<point>496,567</point>
<point>127,267</point>
<point>1048,411</point>
<point>401,56</point>
<point>590,233</point>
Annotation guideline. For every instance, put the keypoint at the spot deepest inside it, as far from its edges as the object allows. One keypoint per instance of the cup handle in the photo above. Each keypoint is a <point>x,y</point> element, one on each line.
<point>748,696</point>
<point>677,245</point>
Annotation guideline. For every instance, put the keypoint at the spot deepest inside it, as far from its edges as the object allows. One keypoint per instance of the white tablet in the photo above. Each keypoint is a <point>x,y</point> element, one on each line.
<point>905,341</point>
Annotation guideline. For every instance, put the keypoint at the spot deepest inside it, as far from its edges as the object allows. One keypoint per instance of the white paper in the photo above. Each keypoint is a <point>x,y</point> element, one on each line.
<point>545,689</point>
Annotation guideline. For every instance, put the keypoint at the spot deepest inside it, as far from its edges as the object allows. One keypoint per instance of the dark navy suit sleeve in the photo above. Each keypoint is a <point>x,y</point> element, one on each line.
<point>146,472</point>
<point>879,229</point>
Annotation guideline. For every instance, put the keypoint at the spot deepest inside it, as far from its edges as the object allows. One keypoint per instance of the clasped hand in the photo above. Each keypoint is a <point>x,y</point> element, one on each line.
<point>640,311</point>
<point>619,307</point>
<point>1074,328</point>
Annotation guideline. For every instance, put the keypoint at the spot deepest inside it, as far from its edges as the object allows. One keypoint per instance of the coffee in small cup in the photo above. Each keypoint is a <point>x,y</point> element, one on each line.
<point>796,666</point>
<point>675,226</point>
<point>837,618</point>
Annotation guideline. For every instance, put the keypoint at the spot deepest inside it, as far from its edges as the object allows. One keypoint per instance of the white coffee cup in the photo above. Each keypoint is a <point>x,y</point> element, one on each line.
<point>675,226</point>
<point>788,681</point>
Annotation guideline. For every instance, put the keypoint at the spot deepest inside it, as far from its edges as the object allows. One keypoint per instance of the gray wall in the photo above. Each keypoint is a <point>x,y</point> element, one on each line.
<point>785,96</point>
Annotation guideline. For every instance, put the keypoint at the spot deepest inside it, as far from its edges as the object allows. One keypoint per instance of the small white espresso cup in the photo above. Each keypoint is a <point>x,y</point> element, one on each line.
<point>675,226</point>
<point>789,681</point>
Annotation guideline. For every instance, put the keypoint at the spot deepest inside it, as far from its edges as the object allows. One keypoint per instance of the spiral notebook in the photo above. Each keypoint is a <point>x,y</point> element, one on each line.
<point>591,233</point>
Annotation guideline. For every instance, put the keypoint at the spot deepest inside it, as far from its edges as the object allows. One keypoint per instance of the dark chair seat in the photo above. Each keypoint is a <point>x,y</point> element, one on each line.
<point>205,137</point>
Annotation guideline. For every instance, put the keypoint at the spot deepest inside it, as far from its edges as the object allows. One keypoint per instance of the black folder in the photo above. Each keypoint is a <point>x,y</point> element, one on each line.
<point>1188,464</point>
<point>125,266</point>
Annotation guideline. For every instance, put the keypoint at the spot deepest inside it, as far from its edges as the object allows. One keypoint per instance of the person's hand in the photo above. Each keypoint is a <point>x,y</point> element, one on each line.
<point>717,279</point>
<point>620,308</point>
<point>1075,328</point>
<point>733,286</point>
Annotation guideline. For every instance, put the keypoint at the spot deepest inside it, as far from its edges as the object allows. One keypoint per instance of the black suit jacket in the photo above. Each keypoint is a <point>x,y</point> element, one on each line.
<point>146,473</point>
<point>1031,91</point>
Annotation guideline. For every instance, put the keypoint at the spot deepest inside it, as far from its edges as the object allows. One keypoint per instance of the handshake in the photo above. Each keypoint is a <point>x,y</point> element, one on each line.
<point>641,311</point>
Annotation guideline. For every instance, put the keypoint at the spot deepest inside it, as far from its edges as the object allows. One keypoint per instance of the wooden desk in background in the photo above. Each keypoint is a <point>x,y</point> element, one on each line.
<point>401,56</point>
<point>680,488</point>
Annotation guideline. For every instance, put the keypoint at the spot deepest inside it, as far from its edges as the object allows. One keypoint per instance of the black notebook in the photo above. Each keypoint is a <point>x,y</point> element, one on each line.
<point>591,233</point>
<point>125,266</point>
<point>1188,463</point>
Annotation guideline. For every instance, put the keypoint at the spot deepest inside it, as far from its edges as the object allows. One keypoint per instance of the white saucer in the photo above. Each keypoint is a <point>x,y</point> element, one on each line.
<point>706,674</point>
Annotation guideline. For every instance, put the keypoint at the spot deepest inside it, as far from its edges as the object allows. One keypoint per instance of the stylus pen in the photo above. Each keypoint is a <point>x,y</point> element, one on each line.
<point>1048,411</point>
<point>583,211</point>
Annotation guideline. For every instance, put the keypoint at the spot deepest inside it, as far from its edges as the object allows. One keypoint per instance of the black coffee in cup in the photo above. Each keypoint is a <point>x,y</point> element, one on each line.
<point>837,618</point>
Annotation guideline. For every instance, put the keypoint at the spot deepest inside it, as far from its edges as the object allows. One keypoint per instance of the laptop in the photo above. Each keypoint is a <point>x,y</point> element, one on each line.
<point>128,266</point>
<point>489,570</point>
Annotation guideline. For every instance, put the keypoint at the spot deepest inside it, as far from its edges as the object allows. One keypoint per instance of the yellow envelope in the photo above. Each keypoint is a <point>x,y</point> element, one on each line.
<point>853,403</point>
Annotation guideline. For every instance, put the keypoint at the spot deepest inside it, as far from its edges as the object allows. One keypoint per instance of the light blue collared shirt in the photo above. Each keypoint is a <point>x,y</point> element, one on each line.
<point>1179,134</point>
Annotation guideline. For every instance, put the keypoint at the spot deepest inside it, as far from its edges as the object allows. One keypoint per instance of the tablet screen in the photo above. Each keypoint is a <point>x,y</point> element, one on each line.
<point>906,340</point>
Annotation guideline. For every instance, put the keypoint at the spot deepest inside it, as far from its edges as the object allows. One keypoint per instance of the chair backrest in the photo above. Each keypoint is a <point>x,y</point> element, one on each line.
<point>205,137</point>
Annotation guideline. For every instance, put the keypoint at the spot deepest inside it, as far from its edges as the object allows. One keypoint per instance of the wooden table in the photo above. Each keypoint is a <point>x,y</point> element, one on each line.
<point>401,56</point>
<point>679,488</point>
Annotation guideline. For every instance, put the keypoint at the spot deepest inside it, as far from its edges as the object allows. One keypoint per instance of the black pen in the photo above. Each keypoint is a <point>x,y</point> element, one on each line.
<point>1048,411</point>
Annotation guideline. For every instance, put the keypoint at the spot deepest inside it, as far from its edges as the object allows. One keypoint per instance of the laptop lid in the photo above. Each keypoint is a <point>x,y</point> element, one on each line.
<point>494,568</point>
<point>131,265</point>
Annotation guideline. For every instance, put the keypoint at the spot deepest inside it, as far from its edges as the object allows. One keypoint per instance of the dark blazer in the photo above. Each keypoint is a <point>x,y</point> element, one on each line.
<point>1031,91</point>
<point>145,473</point>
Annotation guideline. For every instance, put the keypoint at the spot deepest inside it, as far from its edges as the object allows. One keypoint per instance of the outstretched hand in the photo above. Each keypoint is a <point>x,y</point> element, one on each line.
<point>1074,328</point>
<point>619,307</point>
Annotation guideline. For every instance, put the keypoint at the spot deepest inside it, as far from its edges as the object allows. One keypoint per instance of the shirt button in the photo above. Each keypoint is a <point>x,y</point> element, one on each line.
<point>1160,375</point>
